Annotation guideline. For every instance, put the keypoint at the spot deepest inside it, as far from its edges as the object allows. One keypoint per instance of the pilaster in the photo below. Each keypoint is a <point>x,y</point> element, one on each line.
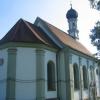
<point>81,78</point>
<point>88,72</point>
<point>69,76</point>
<point>40,74</point>
<point>61,76</point>
<point>95,90</point>
<point>11,74</point>
<point>93,71</point>
<point>88,76</point>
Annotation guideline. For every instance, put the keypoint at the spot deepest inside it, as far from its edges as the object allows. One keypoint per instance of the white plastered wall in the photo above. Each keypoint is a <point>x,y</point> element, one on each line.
<point>75,59</point>
<point>85,91</point>
<point>97,80</point>
<point>50,56</point>
<point>26,74</point>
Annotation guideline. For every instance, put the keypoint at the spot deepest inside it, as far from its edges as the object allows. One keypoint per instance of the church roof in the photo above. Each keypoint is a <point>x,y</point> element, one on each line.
<point>68,40</point>
<point>27,32</point>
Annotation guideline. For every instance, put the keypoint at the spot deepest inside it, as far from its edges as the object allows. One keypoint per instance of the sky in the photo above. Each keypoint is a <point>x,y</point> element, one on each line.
<point>52,11</point>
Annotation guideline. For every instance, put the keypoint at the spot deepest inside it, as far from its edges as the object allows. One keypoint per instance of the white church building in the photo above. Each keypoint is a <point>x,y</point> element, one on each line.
<point>41,62</point>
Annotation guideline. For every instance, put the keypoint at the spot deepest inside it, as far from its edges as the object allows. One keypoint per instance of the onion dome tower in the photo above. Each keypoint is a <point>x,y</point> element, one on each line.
<point>72,21</point>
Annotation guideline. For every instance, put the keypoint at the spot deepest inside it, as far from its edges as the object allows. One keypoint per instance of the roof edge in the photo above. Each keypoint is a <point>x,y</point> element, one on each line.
<point>42,24</point>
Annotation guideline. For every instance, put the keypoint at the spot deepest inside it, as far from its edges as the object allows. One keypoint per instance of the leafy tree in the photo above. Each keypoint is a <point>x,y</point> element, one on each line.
<point>95,4</point>
<point>95,36</point>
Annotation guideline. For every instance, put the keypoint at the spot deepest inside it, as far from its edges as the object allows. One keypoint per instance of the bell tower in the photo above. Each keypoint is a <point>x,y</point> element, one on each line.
<point>72,22</point>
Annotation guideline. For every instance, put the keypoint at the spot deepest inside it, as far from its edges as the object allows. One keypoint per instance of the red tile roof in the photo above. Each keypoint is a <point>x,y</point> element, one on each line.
<point>68,40</point>
<point>26,32</point>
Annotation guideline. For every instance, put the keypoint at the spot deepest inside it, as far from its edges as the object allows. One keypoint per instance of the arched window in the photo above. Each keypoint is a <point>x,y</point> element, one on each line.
<point>76,76</point>
<point>85,78</point>
<point>97,72</point>
<point>51,85</point>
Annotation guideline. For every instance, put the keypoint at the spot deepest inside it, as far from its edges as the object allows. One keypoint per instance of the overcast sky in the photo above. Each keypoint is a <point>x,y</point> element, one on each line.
<point>53,11</point>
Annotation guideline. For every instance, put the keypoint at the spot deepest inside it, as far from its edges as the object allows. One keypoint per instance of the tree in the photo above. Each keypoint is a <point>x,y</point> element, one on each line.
<point>95,4</point>
<point>95,36</point>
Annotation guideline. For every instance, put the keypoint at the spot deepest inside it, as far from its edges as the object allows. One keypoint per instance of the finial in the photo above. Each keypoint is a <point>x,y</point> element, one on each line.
<point>71,4</point>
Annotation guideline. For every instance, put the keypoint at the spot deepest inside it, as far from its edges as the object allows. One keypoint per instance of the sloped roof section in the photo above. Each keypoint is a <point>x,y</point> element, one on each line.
<point>27,32</point>
<point>67,40</point>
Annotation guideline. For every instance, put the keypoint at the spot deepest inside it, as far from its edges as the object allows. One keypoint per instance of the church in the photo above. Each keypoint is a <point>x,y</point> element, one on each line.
<point>38,61</point>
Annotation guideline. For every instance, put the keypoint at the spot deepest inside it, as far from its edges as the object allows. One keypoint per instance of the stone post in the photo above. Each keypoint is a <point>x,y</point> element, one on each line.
<point>40,74</point>
<point>61,76</point>
<point>69,76</point>
<point>11,74</point>
<point>81,78</point>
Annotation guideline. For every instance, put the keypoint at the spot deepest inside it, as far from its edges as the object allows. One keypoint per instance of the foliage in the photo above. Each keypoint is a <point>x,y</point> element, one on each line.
<point>95,4</point>
<point>95,36</point>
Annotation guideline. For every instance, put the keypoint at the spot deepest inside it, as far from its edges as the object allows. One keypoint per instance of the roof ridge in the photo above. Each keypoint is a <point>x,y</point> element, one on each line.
<point>37,36</point>
<point>17,26</point>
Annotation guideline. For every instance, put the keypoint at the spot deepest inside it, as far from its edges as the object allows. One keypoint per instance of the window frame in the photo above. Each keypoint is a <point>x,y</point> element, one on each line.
<point>85,77</point>
<point>51,76</point>
<point>76,76</point>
